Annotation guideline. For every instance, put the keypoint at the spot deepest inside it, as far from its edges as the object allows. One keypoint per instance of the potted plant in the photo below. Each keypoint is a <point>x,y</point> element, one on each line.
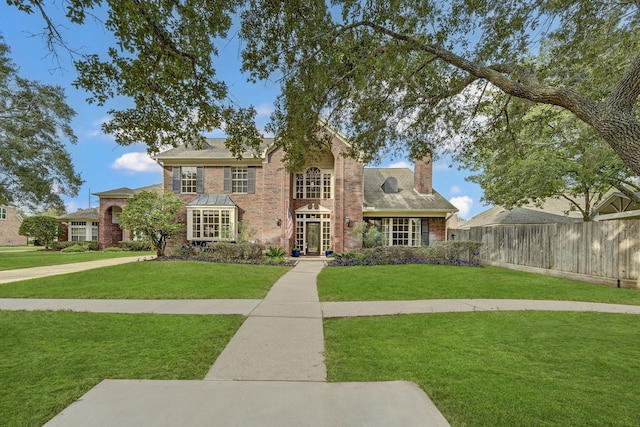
<point>295,252</point>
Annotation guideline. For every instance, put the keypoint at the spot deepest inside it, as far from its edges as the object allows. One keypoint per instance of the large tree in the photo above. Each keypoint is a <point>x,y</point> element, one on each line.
<point>540,153</point>
<point>35,124</point>
<point>154,216</point>
<point>411,73</point>
<point>394,74</point>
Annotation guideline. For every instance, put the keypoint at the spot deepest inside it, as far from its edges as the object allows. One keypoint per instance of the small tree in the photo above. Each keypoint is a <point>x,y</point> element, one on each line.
<point>153,215</point>
<point>41,228</point>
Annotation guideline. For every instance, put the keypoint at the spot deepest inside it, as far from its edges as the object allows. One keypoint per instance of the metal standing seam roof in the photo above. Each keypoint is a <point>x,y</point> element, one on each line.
<point>211,200</point>
<point>406,199</point>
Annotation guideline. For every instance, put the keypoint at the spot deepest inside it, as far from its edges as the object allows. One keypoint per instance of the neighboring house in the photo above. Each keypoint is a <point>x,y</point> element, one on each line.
<point>552,211</point>
<point>111,204</point>
<point>80,226</point>
<point>313,209</point>
<point>10,221</point>
<point>617,206</point>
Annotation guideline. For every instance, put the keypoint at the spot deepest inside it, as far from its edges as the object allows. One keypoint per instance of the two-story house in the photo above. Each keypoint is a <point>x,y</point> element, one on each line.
<point>313,209</point>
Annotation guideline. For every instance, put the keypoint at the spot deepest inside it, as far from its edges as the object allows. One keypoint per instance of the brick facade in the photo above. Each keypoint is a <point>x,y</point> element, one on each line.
<point>9,226</point>
<point>319,223</point>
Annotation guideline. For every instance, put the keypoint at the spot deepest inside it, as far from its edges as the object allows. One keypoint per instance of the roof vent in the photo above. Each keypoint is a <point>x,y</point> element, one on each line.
<point>390,185</point>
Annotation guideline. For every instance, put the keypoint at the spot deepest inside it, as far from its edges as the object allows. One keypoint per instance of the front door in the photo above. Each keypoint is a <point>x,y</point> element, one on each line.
<point>313,238</point>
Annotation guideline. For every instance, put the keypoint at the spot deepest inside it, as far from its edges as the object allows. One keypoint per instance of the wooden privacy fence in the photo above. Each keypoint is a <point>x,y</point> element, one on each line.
<point>603,252</point>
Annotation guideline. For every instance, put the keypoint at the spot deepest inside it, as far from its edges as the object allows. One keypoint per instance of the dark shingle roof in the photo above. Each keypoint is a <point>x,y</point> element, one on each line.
<point>213,149</point>
<point>126,192</point>
<point>406,199</point>
<point>81,214</point>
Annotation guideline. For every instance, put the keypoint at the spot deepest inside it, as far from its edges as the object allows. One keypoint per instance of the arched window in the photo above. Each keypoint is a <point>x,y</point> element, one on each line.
<point>313,184</point>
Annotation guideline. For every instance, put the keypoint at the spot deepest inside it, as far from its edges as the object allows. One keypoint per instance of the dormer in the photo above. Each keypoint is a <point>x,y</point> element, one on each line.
<point>390,185</point>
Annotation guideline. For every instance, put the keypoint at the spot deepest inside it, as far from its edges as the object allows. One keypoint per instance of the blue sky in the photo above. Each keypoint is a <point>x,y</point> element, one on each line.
<point>105,165</point>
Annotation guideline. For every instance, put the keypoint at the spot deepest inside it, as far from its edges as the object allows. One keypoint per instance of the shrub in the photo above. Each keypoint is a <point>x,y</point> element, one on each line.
<point>135,245</point>
<point>75,248</point>
<point>455,253</point>
<point>59,246</point>
<point>275,254</point>
<point>113,249</point>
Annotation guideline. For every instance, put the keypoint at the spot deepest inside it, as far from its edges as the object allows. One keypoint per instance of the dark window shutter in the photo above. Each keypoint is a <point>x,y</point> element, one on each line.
<point>424,229</point>
<point>227,179</point>
<point>177,175</point>
<point>251,180</point>
<point>200,180</point>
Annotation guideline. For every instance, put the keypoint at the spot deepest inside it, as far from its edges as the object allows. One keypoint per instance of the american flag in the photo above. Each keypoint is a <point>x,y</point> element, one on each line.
<point>289,224</point>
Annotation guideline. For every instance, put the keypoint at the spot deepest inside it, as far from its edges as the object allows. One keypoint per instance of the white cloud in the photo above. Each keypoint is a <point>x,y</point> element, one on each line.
<point>401,164</point>
<point>463,203</point>
<point>264,109</point>
<point>455,189</point>
<point>135,162</point>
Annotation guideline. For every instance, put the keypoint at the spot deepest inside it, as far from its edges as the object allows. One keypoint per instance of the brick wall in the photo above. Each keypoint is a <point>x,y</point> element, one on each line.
<point>423,175</point>
<point>9,229</point>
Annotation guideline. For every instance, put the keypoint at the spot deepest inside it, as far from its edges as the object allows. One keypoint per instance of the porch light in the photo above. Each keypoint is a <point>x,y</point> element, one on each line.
<point>278,222</point>
<point>347,221</point>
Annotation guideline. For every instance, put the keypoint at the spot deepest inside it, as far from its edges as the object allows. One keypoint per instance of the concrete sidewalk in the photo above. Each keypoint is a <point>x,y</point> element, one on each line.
<point>7,276</point>
<point>272,373</point>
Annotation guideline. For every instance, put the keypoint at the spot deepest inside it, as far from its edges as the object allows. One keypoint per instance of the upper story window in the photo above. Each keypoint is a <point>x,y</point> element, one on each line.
<point>188,179</point>
<point>3,213</point>
<point>240,179</point>
<point>313,184</point>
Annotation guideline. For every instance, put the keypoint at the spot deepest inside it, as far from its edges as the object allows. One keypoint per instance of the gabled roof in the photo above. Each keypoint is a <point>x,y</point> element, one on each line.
<point>406,199</point>
<point>214,149</point>
<point>90,214</point>
<point>211,200</point>
<point>499,215</point>
<point>617,205</point>
<point>126,192</point>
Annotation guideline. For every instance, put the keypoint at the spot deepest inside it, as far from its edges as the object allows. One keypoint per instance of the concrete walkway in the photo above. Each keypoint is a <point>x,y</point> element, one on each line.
<point>272,372</point>
<point>7,276</point>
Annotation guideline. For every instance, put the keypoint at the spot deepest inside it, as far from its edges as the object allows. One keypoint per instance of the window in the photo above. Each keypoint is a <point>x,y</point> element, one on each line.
<point>239,180</point>
<point>78,231</point>
<point>401,231</point>
<point>211,224</point>
<point>189,179</point>
<point>3,213</point>
<point>313,184</point>
<point>94,231</point>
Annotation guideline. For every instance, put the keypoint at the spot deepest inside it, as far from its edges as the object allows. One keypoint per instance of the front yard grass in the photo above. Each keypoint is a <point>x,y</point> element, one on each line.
<point>39,258</point>
<point>415,282</point>
<point>153,280</point>
<point>500,369</point>
<point>50,359</point>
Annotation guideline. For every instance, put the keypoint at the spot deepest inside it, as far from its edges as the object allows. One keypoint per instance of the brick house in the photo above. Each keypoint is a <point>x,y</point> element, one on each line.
<point>313,209</point>
<point>111,204</point>
<point>10,221</point>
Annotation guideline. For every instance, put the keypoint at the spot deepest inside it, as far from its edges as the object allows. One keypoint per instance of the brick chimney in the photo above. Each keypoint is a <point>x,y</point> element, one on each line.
<point>423,175</point>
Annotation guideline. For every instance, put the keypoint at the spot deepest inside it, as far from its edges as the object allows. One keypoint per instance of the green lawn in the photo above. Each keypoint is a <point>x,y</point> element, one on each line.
<point>25,259</point>
<point>500,369</point>
<point>153,280</point>
<point>414,282</point>
<point>50,359</point>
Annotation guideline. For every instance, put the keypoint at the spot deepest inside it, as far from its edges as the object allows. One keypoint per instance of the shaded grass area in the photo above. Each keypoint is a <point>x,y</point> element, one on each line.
<point>414,282</point>
<point>50,359</point>
<point>500,369</point>
<point>153,280</point>
<point>26,259</point>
